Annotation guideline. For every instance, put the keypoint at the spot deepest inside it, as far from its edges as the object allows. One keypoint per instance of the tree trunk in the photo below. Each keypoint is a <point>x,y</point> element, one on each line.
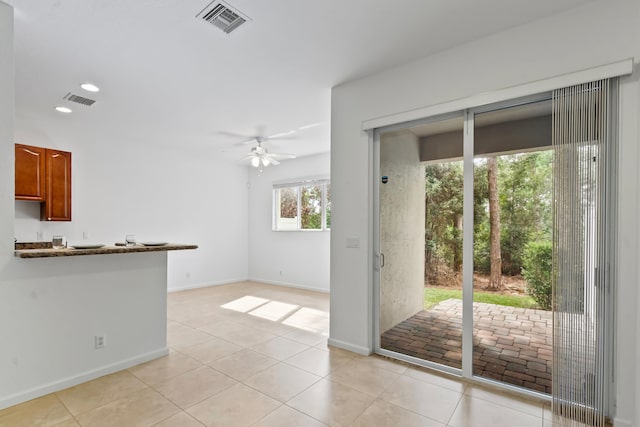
<point>494,222</point>
<point>427,237</point>
<point>458,249</point>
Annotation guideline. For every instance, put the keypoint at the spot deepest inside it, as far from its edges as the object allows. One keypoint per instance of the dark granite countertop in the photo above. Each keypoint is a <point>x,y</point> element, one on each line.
<point>48,253</point>
<point>33,245</point>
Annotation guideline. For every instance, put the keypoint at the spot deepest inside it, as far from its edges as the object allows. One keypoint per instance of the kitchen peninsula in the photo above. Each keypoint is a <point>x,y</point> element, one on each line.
<point>104,250</point>
<point>79,314</point>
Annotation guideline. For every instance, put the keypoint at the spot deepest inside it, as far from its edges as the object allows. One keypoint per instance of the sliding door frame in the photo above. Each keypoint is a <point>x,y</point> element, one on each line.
<point>377,255</point>
<point>468,241</point>
<point>476,103</point>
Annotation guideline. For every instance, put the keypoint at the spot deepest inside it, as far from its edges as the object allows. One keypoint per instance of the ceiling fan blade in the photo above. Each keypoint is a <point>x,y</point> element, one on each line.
<point>279,137</point>
<point>282,155</point>
<point>273,161</point>
<point>252,140</point>
<point>281,134</point>
<point>234,134</point>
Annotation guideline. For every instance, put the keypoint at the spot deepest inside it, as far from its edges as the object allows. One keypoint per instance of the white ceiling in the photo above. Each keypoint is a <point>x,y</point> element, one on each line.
<point>168,78</point>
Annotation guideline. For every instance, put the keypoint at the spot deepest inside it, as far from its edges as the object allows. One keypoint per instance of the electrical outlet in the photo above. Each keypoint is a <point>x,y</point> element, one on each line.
<point>99,341</point>
<point>85,235</point>
<point>187,275</point>
<point>39,235</point>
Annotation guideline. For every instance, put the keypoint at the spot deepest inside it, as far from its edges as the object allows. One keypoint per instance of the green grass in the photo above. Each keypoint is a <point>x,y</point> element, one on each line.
<point>433,296</point>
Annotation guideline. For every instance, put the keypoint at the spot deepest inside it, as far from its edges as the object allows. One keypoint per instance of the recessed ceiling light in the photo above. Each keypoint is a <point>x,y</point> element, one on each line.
<point>90,87</point>
<point>63,109</point>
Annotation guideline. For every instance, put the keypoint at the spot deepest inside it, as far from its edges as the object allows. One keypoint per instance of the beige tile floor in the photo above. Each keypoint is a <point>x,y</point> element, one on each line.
<point>250,354</point>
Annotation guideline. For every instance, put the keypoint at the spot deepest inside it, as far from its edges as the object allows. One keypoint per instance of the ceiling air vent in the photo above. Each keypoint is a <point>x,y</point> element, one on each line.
<point>223,16</point>
<point>79,99</point>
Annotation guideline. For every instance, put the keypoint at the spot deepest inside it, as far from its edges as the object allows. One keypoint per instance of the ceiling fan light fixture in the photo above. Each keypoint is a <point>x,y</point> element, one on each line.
<point>260,157</point>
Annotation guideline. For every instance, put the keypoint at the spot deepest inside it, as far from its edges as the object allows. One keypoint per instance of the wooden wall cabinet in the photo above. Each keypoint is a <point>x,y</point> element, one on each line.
<point>57,202</point>
<point>30,175</point>
<point>44,175</point>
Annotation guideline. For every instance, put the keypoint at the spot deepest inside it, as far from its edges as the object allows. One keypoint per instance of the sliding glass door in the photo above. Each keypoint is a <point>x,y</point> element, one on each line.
<point>420,190</point>
<point>465,229</point>
<point>512,245</point>
<point>467,244</point>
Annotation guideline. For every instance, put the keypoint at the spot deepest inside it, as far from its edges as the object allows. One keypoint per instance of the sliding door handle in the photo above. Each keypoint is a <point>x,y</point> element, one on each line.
<point>381,260</point>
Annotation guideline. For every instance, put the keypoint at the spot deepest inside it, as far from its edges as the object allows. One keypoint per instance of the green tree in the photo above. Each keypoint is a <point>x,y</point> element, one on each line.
<point>481,229</point>
<point>525,203</point>
<point>537,258</point>
<point>311,207</point>
<point>443,217</point>
<point>525,200</point>
<point>328,207</point>
<point>525,182</point>
<point>288,203</point>
<point>495,252</point>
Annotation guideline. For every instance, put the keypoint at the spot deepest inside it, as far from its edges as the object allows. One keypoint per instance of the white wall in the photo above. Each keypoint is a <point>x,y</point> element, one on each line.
<point>7,154</point>
<point>293,258</point>
<point>50,309</point>
<point>157,193</point>
<point>550,47</point>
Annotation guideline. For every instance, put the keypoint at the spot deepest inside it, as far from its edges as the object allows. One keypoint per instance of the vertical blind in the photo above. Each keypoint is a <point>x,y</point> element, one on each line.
<point>583,248</point>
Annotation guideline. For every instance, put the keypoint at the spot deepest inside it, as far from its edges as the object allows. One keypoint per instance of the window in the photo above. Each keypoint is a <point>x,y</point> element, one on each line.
<point>302,206</point>
<point>327,204</point>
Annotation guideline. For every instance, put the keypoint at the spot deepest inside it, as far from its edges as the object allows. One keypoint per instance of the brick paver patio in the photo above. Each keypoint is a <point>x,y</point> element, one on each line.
<point>509,344</point>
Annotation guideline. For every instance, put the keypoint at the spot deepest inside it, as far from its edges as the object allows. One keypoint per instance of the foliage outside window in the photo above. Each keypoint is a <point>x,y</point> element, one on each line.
<point>327,204</point>
<point>302,206</point>
<point>525,203</point>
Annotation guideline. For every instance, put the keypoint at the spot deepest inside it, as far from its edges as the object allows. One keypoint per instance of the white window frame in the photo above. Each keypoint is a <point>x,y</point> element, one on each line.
<point>297,186</point>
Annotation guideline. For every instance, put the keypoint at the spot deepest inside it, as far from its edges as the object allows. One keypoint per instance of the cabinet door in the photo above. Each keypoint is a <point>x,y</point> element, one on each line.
<point>57,205</point>
<point>30,172</point>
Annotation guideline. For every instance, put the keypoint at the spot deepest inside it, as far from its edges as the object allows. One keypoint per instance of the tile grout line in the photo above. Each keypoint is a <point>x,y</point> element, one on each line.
<point>509,407</point>
<point>304,413</point>
<point>448,423</point>
<point>65,407</point>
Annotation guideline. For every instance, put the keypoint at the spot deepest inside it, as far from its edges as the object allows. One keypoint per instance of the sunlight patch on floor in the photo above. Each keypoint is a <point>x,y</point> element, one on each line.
<point>245,304</point>
<point>304,318</point>
<point>274,310</point>
<point>308,319</point>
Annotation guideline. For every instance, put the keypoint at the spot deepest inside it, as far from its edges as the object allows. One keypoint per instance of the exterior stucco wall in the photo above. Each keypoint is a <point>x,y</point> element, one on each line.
<point>401,229</point>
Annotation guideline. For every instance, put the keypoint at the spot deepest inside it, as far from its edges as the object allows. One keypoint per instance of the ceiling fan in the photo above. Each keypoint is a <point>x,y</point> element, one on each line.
<point>260,157</point>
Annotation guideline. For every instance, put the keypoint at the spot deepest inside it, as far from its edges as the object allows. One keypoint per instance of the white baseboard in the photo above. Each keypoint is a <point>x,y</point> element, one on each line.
<point>35,392</point>
<point>205,285</point>
<point>288,285</point>
<point>244,279</point>
<point>365,351</point>
<point>617,422</point>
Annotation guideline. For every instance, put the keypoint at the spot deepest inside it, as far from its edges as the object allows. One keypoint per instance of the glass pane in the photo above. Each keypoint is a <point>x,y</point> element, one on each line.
<point>287,208</point>
<point>328,207</point>
<point>421,195</point>
<point>311,207</point>
<point>512,246</point>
